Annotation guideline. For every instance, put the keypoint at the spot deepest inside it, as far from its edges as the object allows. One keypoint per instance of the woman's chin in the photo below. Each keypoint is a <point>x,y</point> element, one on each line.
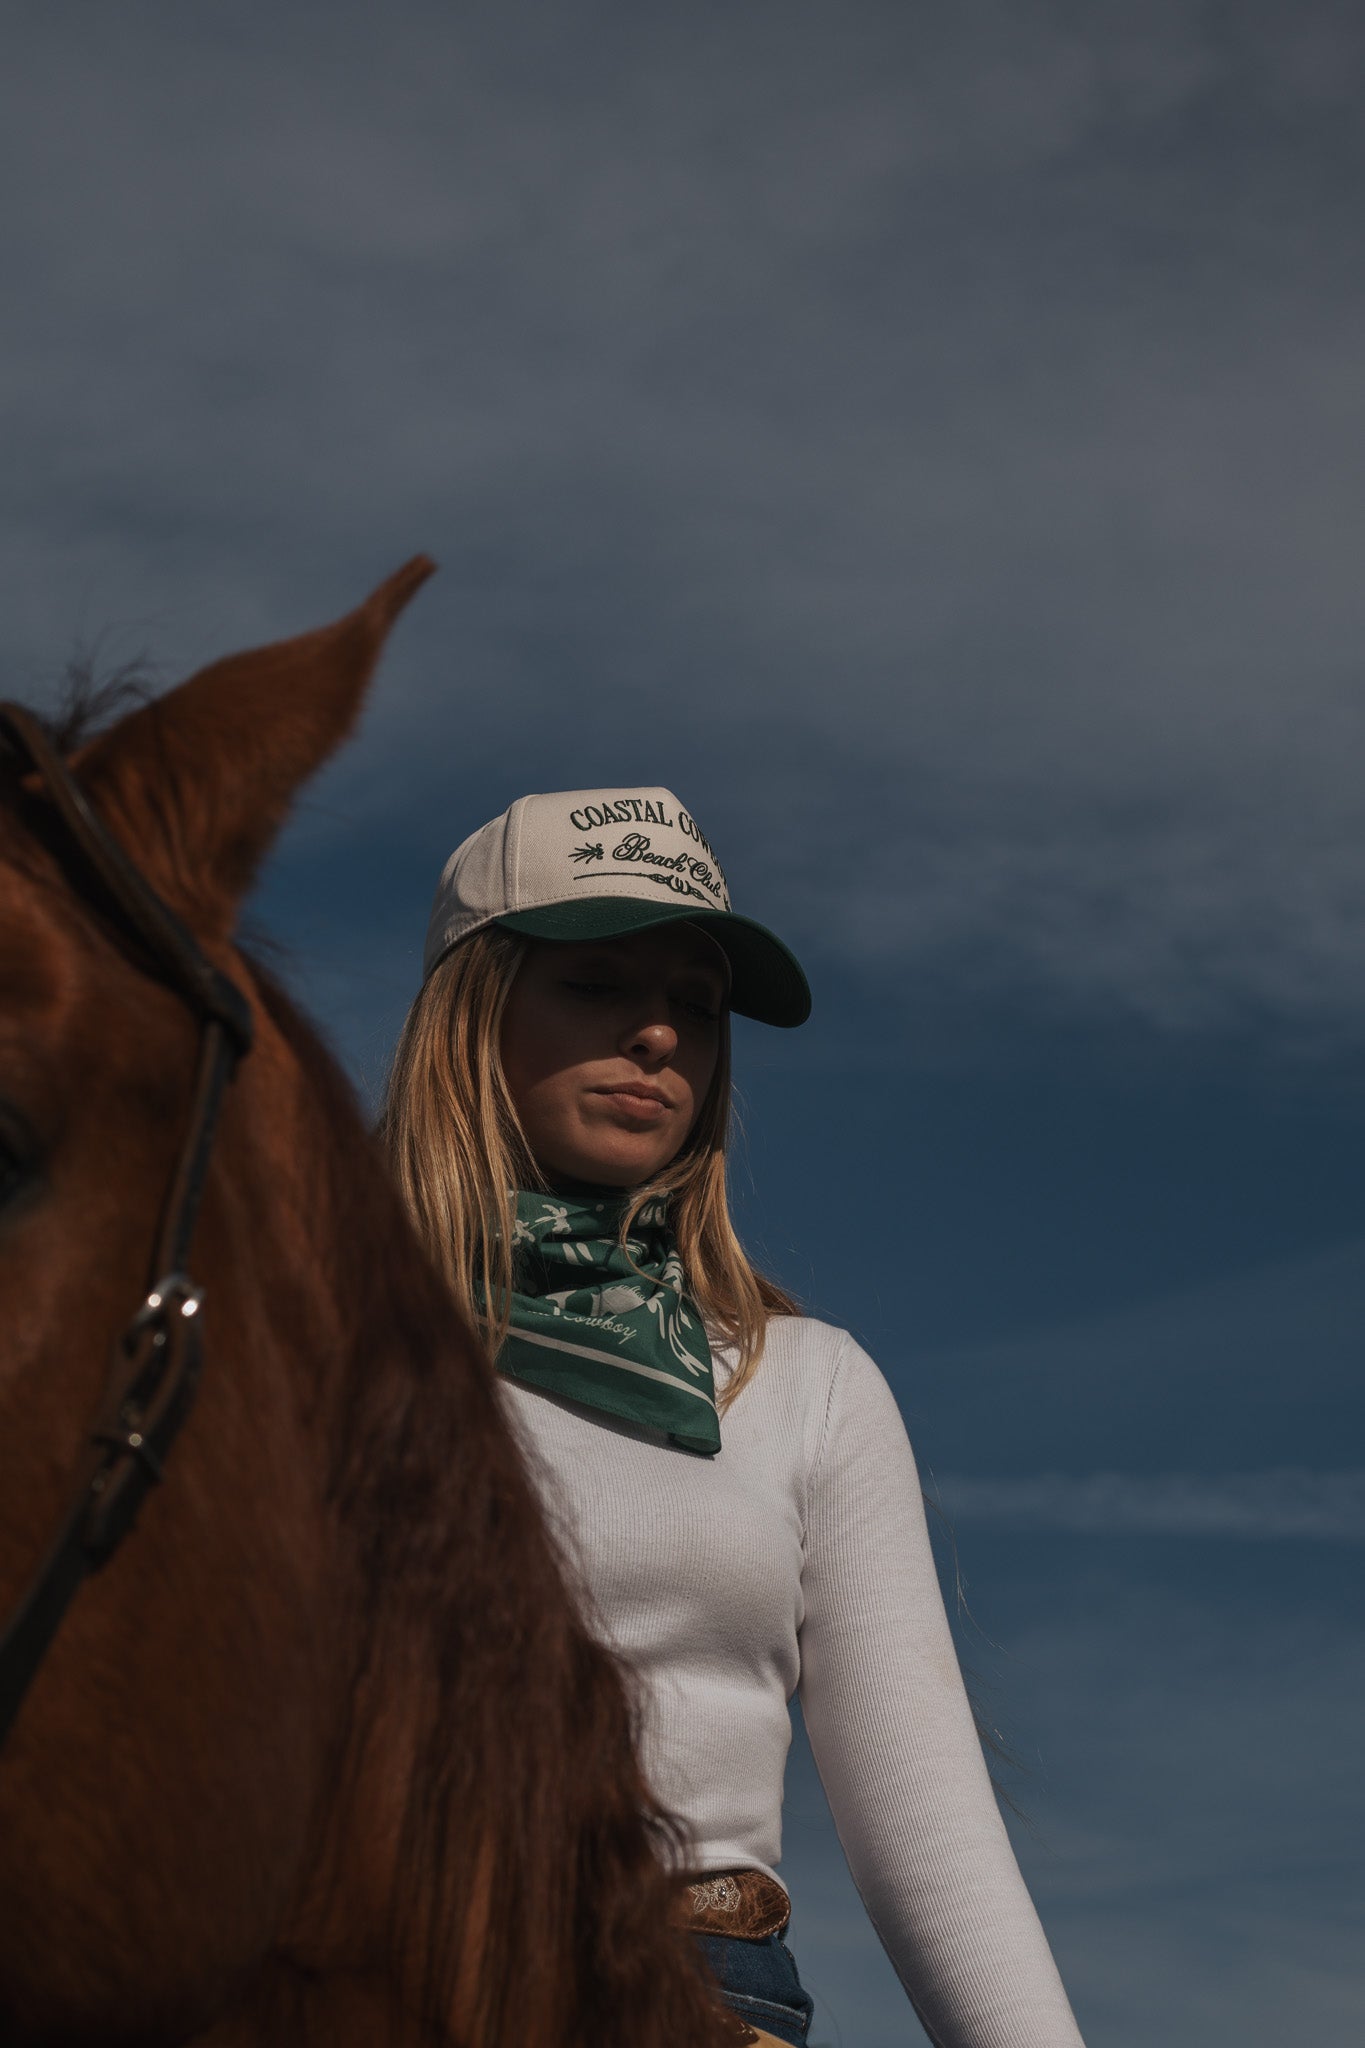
<point>620,1166</point>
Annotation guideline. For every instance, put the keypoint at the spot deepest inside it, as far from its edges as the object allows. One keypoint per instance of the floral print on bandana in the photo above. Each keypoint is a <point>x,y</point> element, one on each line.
<point>607,1324</point>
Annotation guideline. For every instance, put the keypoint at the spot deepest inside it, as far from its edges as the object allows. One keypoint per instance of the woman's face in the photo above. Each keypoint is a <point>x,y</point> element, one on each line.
<point>609,1048</point>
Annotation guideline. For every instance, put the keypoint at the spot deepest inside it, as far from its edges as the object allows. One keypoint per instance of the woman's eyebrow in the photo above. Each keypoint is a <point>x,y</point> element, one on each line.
<point>596,956</point>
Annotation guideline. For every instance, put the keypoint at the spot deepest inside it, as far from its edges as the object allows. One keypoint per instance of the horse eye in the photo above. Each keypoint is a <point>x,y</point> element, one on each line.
<point>16,1158</point>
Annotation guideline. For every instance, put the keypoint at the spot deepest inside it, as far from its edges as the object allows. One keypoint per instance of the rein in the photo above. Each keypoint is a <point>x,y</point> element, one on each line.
<point>154,1372</point>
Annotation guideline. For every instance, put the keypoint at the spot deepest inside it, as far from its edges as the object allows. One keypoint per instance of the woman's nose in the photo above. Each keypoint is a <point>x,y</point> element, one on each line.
<point>654,1039</point>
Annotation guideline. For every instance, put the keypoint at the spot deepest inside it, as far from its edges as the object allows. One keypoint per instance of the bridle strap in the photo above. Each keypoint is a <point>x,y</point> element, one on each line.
<point>171,948</point>
<point>155,1368</point>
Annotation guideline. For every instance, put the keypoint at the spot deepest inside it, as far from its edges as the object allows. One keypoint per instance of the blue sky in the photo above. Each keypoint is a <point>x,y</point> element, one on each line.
<point>933,442</point>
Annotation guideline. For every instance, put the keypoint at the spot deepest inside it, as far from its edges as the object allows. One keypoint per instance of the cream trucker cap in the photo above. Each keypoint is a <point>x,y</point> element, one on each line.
<point>596,864</point>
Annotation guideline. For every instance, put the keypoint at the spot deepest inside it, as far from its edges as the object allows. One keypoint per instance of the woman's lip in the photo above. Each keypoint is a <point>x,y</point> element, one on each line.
<point>636,1102</point>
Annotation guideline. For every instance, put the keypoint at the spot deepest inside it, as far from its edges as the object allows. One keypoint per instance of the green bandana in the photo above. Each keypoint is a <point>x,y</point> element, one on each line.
<point>585,1324</point>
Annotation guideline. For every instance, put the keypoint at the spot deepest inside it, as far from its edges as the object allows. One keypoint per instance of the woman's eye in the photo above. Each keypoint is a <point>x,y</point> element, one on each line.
<point>698,1001</point>
<point>696,1007</point>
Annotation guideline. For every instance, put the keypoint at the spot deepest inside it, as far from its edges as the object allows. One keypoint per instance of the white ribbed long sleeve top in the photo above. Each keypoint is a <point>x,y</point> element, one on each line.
<point>799,1557</point>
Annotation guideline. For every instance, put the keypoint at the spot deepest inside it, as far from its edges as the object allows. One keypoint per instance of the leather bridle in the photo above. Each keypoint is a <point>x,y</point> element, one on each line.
<point>154,1372</point>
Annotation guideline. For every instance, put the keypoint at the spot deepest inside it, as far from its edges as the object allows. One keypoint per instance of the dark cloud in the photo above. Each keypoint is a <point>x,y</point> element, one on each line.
<point>943,427</point>
<point>1244,1371</point>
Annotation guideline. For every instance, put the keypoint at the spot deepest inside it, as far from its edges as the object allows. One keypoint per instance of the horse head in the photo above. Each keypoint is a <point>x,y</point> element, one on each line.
<point>321,1752</point>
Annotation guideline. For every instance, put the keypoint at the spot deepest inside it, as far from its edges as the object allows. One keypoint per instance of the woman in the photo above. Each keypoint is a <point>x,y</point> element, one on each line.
<point>731,1479</point>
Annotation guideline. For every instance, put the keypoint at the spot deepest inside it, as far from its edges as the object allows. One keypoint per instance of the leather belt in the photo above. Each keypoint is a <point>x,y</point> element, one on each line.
<point>746,1903</point>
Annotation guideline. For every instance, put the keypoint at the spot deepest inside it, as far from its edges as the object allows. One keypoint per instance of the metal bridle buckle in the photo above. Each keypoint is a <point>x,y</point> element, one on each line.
<point>174,1294</point>
<point>173,1288</point>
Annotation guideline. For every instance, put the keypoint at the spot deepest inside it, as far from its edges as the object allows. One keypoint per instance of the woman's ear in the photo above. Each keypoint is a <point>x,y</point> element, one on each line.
<point>197,784</point>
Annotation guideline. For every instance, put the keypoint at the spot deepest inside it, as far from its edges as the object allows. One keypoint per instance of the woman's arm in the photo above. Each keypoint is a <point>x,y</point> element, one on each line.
<point>896,1747</point>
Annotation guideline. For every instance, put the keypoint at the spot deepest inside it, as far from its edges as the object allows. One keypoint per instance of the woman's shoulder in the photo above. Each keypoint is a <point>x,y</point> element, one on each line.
<point>815,1399</point>
<point>807,1366</point>
<point>790,1342</point>
<point>817,1349</point>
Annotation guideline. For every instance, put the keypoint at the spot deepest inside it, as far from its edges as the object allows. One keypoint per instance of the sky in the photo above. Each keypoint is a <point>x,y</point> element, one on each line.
<point>931,441</point>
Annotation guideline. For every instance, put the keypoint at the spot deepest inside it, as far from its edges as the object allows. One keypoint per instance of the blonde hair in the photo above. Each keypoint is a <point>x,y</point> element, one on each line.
<point>458,1151</point>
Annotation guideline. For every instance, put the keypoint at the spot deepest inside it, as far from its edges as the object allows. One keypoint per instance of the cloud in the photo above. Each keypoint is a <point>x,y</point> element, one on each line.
<point>1329,1506</point>
<point>1250,1372</point>
<point>938,431</point>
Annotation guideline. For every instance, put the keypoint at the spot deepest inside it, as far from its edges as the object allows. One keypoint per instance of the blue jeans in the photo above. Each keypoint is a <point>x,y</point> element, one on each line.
<point>758,1980</point>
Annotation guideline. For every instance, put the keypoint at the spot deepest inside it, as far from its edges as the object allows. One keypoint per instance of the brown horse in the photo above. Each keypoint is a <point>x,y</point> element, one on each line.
<point>322,1756</point>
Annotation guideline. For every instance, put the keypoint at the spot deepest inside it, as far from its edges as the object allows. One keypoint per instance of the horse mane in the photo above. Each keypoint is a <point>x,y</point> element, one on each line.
<point>532,1855</point>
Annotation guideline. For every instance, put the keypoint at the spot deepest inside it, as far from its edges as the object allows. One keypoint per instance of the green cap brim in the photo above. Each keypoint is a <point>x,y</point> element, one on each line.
<point>766,981</point>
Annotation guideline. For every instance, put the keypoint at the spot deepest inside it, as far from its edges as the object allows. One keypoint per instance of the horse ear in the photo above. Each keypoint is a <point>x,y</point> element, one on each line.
<point>197,783</point>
